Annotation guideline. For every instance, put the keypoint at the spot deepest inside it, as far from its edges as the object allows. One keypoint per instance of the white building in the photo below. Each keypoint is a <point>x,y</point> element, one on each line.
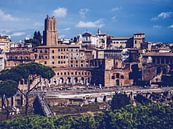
<point>119,42</point>
<point>4,43</point>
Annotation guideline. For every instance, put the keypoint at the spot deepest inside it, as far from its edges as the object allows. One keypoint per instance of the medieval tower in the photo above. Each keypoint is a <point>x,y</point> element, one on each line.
<point>50,37</point>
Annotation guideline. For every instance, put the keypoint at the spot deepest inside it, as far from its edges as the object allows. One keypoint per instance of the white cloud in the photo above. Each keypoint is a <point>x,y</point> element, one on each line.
<point>60,12</point>
<point>15,34</point>
<point>162,15</point>
<point>115,9</point>
<point>6,17</point>
<point>90,24</point>
<point>171,26</point>
<point>83,12</point>
<point>157,27</point>
<point>67,29</point>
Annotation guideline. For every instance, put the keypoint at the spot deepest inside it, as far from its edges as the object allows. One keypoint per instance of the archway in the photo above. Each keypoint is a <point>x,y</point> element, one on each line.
<point>75,80</point>
<point>61,80</point>
<point>82,80</point>
<point>68,80</point>
<point>117,82</point>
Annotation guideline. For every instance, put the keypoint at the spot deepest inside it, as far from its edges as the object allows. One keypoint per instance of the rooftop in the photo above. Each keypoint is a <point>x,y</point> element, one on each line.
<point>120,38</point>
<point>158,54</point>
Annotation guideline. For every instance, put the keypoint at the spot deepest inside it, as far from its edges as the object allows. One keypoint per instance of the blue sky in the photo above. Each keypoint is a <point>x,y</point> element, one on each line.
<point>20,18</point>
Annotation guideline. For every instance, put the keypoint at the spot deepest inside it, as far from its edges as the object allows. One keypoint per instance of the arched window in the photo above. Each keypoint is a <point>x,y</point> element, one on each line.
<point>122,77</point>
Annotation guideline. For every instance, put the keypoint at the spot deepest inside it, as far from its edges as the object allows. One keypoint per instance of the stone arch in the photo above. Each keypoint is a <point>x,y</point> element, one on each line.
<point>117,83</point>
<point>55,82</point>
<point>75,80</point>
<point>86,81</point>
<point>82,80</point>
<point>68,80</point>
<point>61,80</point>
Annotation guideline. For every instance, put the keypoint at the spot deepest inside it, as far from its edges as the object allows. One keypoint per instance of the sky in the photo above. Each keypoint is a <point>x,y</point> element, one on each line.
<point>20,18</point>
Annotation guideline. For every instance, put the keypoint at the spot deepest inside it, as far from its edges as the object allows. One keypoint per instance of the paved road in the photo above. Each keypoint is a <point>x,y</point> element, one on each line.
<point>102,92</point>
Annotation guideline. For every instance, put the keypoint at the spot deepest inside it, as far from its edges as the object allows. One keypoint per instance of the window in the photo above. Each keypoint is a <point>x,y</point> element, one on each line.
<point>53,57</point>
<point>21,82</point>
<point>45,62</point>
<point>52,51</point>
<point>122,77</point>
<point>53,62</point>
<point>113,77</point>
<point>117,75</point>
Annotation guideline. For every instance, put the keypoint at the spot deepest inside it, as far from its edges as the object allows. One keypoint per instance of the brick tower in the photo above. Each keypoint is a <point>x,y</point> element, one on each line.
<point>50,37</point>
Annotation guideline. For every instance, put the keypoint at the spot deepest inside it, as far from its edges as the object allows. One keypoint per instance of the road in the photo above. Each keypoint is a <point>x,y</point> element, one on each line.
<point>101,92</point>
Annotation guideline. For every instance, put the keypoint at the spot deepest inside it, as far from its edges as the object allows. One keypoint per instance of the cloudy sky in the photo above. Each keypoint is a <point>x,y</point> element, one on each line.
<point>20,18</point>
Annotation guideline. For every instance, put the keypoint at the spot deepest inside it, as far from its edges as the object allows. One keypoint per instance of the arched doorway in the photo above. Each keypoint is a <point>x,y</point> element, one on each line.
<point>82,80</point>
<point>75,80</point>
<point>117,83</point>
<point>68,80</point>
<point>61,81</point>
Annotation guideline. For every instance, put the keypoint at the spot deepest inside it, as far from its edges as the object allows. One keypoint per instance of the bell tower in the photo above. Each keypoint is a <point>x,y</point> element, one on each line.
<point>50,37</point>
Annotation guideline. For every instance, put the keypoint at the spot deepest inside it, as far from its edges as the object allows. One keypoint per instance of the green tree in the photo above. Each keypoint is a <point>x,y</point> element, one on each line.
<point>37,107</point>
<point>8,89</point>
<point>141,99</point>
<point>151,116</point>
<point>37,39</point>
<point>28,72</point>
<point>119,100</point>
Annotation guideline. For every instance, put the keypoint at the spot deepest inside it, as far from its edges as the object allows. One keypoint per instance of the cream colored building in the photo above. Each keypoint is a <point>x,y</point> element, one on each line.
<point>138,39</point>
<point>4,43</point>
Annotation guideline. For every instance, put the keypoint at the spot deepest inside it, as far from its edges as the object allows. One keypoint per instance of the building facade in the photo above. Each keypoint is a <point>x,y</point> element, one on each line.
<point>5,43</point>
